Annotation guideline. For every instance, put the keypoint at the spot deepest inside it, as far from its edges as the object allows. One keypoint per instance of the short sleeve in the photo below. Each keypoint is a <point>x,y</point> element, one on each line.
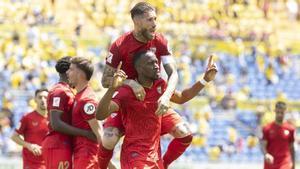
<point>22,125</point>
<point>58,100</point>
<point>120,95</point>
<point>113,58</point>
<point>88,108</point>
<point>163,46</point>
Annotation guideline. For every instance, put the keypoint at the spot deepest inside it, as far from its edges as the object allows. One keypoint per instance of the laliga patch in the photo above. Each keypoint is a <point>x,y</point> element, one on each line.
<point>109,57</point>
<point>89,108</point>
<point>56,101</point>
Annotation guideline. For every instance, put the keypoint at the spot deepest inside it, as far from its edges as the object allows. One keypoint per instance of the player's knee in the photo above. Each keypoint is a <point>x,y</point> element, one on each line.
<point>110,137</point>
<point>181,130</point>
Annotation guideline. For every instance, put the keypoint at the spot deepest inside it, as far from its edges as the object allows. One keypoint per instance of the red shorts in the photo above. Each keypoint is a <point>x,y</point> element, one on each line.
<point>58,158</point>
<point>169,121</point>
<point>31,165</point>
<point>141,164</point>
<point>86,156</point>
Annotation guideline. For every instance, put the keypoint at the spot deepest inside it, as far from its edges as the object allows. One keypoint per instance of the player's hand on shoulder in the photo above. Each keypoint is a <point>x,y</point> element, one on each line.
<point>163,105</point>
<point>119,77</point>
<point>211,70</point>
<point>138,89</point>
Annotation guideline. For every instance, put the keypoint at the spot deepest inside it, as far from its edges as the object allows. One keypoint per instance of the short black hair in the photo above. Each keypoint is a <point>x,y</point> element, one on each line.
<point>63,64</point>
<point>40,90</point>
<point>85,65</point>
<point>140,8</point>
<point>280,105</point>
<point>138,55</point>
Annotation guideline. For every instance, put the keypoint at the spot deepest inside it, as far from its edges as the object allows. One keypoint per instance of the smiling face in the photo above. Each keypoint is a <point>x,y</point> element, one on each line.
<point>146,24</point>
<point>148,66</point>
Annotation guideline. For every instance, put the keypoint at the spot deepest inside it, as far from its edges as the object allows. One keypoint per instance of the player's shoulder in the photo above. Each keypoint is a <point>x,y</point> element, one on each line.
<point>29,115</point>
<point>160,37</point>
<point>124,90</point>
<point>123,39</point>
<point>60,89</point>
<point>88,96</point>
<point>268,126</point>
<point>289,126</point>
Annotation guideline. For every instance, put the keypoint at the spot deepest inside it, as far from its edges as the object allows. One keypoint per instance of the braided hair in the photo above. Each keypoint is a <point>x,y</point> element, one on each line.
<point>63,64</point>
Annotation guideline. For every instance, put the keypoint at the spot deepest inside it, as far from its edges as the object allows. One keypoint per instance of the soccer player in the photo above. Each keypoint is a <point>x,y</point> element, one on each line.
<point>33,128</point>
<point>57,146</point>
<point>144,37</point>
<point>278,141</point>
<point>141,146</point>
<point>85,153</point>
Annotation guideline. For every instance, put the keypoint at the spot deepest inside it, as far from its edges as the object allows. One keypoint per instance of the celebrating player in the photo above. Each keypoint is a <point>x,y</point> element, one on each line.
<point>141,146</point>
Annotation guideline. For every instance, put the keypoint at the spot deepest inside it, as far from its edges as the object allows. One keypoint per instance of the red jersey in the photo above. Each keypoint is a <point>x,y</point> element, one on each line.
<point>33,127</point>
<point>142,125</point>
<point>84,110</point>
<point>125,46</point>
<point>60,98</point>
<point>278,138</point>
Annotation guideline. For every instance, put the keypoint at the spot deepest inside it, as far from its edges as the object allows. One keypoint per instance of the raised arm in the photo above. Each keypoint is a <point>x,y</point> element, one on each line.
<point>106,106</point>
<point>107,78</point>
<point>189,93</point>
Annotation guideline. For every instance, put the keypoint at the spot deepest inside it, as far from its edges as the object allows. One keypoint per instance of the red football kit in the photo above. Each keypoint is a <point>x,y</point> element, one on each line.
<point>141,145</point>
<point>278,138</point>
<point>57,147</point>
<point>33,127</point>
<point>123,50</point>
<point>85,150</point>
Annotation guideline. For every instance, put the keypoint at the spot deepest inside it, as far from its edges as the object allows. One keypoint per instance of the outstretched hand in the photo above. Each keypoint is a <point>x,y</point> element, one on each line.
<point>119,77</point>
<point>211,70</point>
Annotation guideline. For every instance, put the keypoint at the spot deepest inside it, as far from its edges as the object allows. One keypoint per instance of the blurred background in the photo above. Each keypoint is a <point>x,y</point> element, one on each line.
<point>257,44</point>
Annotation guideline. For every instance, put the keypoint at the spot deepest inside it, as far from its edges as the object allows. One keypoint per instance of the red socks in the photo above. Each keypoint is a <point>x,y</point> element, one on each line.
<point>176,148</point>
<point>104,157</point>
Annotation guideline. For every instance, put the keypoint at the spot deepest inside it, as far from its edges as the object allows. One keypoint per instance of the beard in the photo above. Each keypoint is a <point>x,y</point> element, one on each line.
<point>146,34</point>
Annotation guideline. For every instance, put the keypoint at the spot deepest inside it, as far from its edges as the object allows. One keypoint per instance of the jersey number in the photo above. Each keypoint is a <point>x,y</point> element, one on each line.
<point>63,165</point>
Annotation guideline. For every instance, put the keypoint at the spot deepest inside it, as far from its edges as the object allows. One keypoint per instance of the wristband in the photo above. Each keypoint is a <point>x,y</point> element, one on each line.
<point>203,82</point>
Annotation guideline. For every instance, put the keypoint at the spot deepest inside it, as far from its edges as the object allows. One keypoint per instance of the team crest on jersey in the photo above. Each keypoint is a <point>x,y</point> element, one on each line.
<point>89,108</point>
<point>286,132</point>
<point>159,90</point>
<point>153,49</point>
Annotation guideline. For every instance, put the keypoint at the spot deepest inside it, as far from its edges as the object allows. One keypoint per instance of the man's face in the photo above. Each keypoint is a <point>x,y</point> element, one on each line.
<point>41,100</point>
<point>149,67</point>
<point>74,74</point>
<point>279,114</point>
<point>146,24</point>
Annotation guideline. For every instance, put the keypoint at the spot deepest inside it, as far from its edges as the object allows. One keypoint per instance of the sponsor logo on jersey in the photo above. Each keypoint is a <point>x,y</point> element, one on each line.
<point>89,108</point>
<point>56,101</point>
